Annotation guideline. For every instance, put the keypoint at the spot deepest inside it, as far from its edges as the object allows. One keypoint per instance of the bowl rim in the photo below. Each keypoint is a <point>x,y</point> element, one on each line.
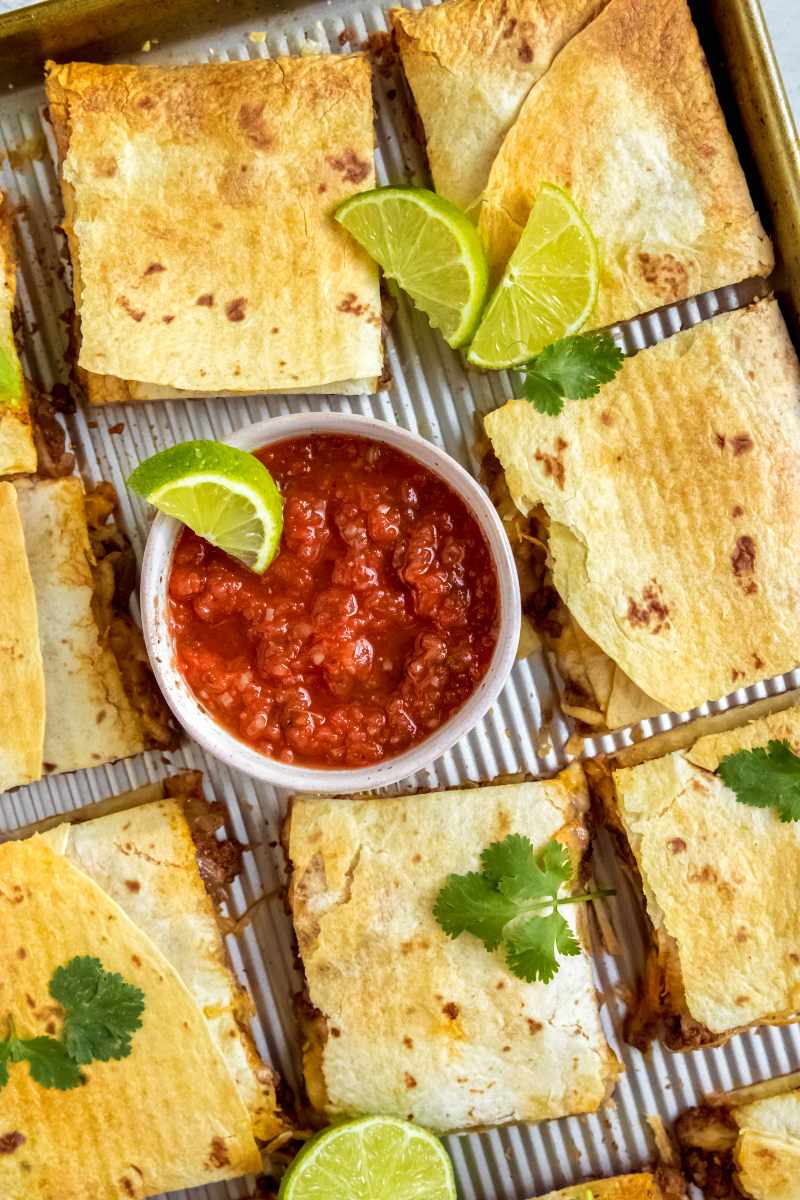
<point>203,728</point>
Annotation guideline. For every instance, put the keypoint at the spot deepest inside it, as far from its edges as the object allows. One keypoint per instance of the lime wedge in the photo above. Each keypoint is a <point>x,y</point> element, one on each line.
<point>10,374</point>
<point>548,289</point>
<point>374,1158</point>
<point>224,495</point>
<point>429,247</point>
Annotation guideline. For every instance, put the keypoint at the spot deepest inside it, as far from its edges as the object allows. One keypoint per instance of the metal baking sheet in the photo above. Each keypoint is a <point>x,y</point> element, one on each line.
<point>432,395</point>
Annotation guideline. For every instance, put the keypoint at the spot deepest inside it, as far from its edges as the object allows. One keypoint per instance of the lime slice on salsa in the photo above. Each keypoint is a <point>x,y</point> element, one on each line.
<point>429,247</point>
<point>548,289</point>
<point>374,1158</point>
<point>10,374</point>
<point>223,494</point>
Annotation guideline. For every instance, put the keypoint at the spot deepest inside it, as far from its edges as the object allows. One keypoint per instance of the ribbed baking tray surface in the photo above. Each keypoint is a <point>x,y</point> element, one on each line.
<point>433,395</point>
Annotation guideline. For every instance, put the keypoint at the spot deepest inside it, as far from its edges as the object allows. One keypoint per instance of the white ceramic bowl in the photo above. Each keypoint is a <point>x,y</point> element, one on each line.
<point>218,741</point>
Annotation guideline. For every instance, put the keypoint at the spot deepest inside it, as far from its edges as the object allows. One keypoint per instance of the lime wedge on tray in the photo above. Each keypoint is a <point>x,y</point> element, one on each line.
<point>224,495</point>
<point>373,1158</point>
<point>429,247</point>
<point>548,289</point>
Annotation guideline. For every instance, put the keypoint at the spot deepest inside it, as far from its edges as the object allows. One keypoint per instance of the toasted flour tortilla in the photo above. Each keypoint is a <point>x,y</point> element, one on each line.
<point>89,717</point>
<point>457,1041</point>
<point>198,206</point>
<point>628,122</point>
<point>673,507</point>
<point>168,1116</point>
<point>21,670</point>
<point>470,64</point>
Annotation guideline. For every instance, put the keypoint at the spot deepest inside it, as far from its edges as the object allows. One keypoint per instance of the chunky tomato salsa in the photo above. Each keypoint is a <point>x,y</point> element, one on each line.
<point>375,621</point>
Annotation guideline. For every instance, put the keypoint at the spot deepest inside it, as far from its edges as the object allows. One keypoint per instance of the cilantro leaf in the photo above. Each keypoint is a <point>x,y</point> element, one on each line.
<point>102,1011</point>
<point>514,899</point>
<point>50,1063</point>
<point>470,904</point>
<point>543,394</point>
<point>765,777</point>
<point>573,368</point>
<point>512,856</point>
<point>531,947</point>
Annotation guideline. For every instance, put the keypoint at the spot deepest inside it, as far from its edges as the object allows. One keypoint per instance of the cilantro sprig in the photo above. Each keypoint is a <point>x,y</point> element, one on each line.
<point>573,368</point>
<point>514,900</point>
<point>101,1014</point>
<point>765,777</point>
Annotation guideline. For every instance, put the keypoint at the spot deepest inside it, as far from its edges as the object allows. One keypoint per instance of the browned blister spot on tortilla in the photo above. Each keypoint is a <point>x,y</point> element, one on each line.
<point>136,314</point>
<point>133,885</point>
<point>352,168</point>
<point>743,563</point>
<point>534,1027</point>
<point>677,845</point>
<point>552,465</point>
<point>665,273</point>
<point>9,1142</point>
<point>741,443</point>
<point>105,167</point>
<point>450,1010</point>
<point>251,122</point>
<point>236,310</point>
<point>410,1081</point>
<point>650,612</point>
<point>155,268</point>
<point>525,52</point>
<point>205,301</point>
<point>218,1154</point>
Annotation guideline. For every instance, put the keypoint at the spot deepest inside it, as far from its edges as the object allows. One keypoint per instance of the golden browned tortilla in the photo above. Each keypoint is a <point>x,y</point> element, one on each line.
<point>198,206</point>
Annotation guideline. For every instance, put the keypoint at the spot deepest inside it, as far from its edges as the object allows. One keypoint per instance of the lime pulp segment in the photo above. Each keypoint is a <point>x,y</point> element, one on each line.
<point>429,247</point>
<point>549,287</point>
<point>374,1158</point>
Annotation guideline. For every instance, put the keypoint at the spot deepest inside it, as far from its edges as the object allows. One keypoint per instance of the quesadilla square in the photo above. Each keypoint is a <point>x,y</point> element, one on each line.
<point>400,1019</point>
<point>198,206</point>
<point>745,1143</point>
<point>17,450</point>
<point>663,1184</point>
<point>470,64</point>
<point>89,696</point>
<point>669,508</point>
<point>628,122</point>
<point>715,875</point>
<point>190,1103</point>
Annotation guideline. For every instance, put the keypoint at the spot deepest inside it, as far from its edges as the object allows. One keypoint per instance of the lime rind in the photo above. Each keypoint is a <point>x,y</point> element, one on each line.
<point>223,494</point>
<point>371,1158</point>
<point>430,248</point>
<point>549,303</point>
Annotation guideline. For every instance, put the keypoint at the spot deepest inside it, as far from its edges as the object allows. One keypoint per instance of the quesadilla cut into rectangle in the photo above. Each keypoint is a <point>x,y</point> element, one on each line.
<point>17,449</point>
<point>669,506</point>
<point>715,874</point>
<point>628,122</point>
<point>745,1143</point>
<point>187,1102</point>
<point>21,669</point>
<point>75,573</point>
<point>662,1184</point>
<point>400,1019</point>
<point>198,206</point>
<point>470,64</point>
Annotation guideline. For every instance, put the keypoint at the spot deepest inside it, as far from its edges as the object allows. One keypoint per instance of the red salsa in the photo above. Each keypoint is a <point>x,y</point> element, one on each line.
<point>375,621</point>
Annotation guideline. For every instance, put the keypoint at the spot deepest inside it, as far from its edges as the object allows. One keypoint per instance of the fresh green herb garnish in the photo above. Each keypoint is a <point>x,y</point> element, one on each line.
<point>48,1061</point>
<point>102,1011</point>
<point>571,369</point>
<point>766,777</point>
<point>101,1014</point>
<point>514,899</point>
